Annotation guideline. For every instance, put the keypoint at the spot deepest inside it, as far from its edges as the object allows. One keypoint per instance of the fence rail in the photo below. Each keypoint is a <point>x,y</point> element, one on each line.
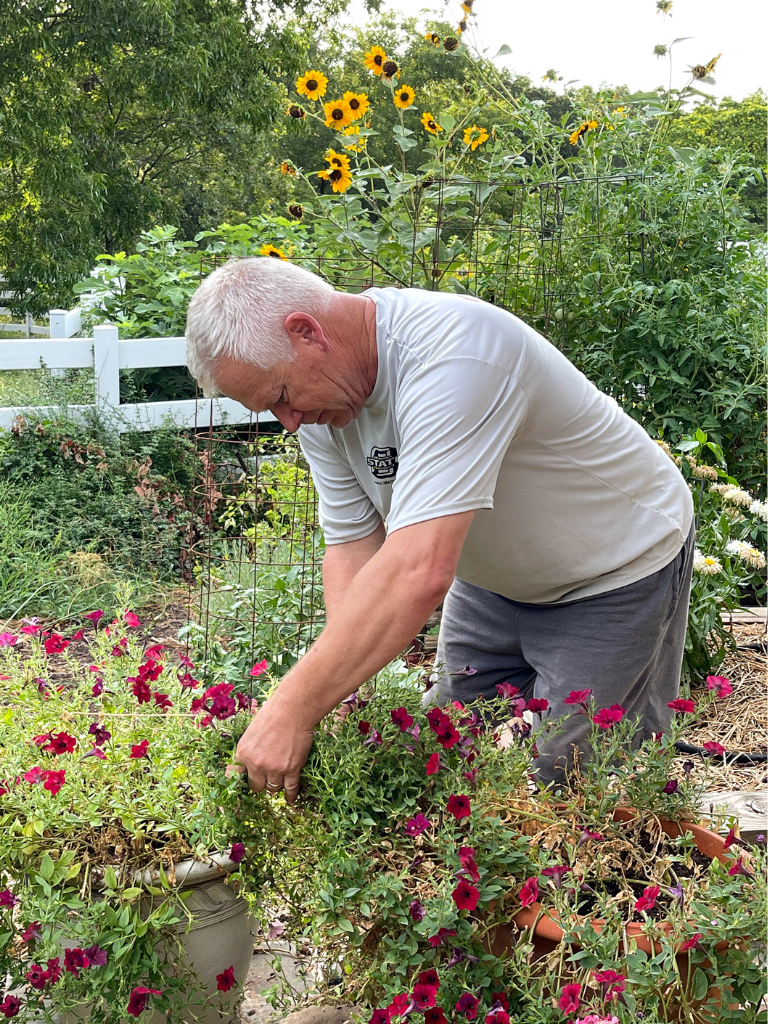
<point>107,355</point>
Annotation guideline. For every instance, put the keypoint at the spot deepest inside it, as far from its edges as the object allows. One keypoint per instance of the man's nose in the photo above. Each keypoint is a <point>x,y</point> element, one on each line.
<point>289,418</point>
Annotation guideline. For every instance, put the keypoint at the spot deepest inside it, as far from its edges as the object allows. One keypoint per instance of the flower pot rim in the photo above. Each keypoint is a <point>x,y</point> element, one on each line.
<point>545,923</point>
<point>190,871</point>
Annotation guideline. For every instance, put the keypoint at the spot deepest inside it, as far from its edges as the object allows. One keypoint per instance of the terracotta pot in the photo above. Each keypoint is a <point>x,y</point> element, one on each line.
<point>547,933</point>
<point>218,936</point>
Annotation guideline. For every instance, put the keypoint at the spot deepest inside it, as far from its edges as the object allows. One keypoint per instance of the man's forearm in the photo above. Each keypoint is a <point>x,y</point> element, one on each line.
<point>342,562</point>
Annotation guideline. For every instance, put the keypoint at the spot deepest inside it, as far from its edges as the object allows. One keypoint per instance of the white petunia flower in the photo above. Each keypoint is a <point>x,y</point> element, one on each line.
<point>706,565</point>
<point>759,508</point>
<point>746,553</point>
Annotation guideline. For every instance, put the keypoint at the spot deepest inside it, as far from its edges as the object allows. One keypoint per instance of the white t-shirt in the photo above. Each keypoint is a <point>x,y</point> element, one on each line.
<point>473,409</point>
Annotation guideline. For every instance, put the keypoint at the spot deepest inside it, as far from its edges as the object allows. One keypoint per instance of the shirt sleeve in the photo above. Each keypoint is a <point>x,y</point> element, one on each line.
<point>346,511</point>
<point>456,419</point>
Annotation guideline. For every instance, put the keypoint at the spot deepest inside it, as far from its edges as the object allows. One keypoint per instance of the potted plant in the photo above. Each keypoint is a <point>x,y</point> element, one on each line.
<point>120,891</point>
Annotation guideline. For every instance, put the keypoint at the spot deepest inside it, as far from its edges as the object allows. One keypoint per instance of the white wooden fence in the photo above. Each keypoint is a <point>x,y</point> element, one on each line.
<point>108,355</point>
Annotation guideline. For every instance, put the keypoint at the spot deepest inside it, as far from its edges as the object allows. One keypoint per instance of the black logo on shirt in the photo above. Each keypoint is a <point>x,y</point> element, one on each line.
<point>383,463</point>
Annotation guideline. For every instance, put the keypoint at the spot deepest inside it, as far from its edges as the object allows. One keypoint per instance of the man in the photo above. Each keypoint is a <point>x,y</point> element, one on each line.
<point>459,456</point>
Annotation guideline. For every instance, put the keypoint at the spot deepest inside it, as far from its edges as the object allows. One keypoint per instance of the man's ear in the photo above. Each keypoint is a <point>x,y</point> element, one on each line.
<point>303,329</point>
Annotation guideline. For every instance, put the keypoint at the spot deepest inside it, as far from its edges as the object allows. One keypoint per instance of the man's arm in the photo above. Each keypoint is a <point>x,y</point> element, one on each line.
<point>385,604</point>
<point>342,562</point>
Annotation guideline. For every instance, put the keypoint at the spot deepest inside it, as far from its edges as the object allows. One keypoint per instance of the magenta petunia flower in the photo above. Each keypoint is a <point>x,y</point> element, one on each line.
<point>237,853</point>
<point>447,735</point>
<point>556,873</point>
<point>32,932</point>
<point>578,697</point>
<point>10,1006</point>
<point>611,982</point>
<point>507,691</point>
<point>37,977</point>
<point>417,910</point>
<point>713,748</point>
<point>99,733</point>
<point>7,899</point>
<point>94,616</point>
<point>648,900</point>
<point>226,980</point>
<point>423,996</point>
<point>374,740</point>
<point>401,718</point>
<point>185,662</point>
<point>53,781</point>
<point>259,668</point>
<point>441,936</point>
<point>683,705</point>
<point>8,639</point>
<point>458,805</point>
<point>364,728</point>
<point>435,1015</point>
<point>500,999</point>
<point>569,998</point>
<point>31,626</point>
<point>537,705</point>
<point>468,862</point>
<point>465,896</point>
<point>141,691</point>
<point>74,960</point>
<point>587,836</point>
<point>399,1005</point>
<point>720,685</point>
<point>162,700</point>
<point>529,892</point>
<point>433,764</point>
<point>671,787</point>
<point>98,688</point>
<point>34,775</point>
<point>417,824</point>
<point>55,644</point>
<point>435,717</point>
<point>95,957</point>
<point>467,1005</point>
<point>139,749</point>
<point>606,717</point>
<point>131,620</point>
<point>429,977</point>
<point>739,869</point>
<point>60,743</point>
<point>380,1016</point>
<point>694,942</point>
<point>137,1002</point>
<point>730,839</point>
<point>498,1016</point>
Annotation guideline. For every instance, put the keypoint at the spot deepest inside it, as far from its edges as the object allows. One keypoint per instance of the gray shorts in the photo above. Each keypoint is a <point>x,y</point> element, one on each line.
<point>626,646</point>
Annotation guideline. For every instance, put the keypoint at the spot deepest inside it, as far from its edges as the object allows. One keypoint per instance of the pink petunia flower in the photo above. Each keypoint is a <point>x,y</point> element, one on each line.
<point>31,627</point>
<point>32,932</point>
<point>139,749</point>
<point>587,836</point>
<point>237,853</point>
<point>53,781</point>
<point>694,942</point>
<point>94,616</point>
<point>556,873</point>
<point>34,775</point>
<point>417,910</point>
<point>713,748</point>
<point>507,691</point>
<point>537,705</point>
<point>74,960</point>
<point>529,892</point>
<point>226,980</point>
<point>137,1002</point>
<point>417,824</point>
<point>611,982</point>
<point>596,1018</point>
<point>607,717</point>
<point>467,1005</point>
<point>498,1016</point>
<point>720,684</point>
<point>8,639</point>
<point>131,620</point>
<point>60,743</point>
<point>739,869</point>
<point>259,668</point>
<point>683,705</point>
<point>441,935</point>
<point>433,764</point>
<point>458,805</point>
<point>670,787</point>
<point>648,900</point>
<point>95,957</point>
<point>423,996</point>
<point>55,644</point>
<point>578,697</point>
<point>401,719</point>
<point>465,896</point>
<point>569,998</point>
<point>468,862</point>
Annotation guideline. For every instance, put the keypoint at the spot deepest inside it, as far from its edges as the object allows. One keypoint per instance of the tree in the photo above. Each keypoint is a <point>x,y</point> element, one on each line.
<point>118,113</point>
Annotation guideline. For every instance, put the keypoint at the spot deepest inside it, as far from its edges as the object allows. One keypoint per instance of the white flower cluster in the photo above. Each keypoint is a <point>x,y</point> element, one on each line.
<point>746,553</point>
<point>735,495</point>
<point>706,565</point>
<point>760,508</point>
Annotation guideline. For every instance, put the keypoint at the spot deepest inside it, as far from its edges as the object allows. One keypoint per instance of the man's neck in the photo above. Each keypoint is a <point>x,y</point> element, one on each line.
<point>353,320</point>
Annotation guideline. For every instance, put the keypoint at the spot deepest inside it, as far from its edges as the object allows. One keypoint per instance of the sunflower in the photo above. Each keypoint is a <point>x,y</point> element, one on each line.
<point>462,27</point>
<point>271,250</point>
<point>297,112</point>
<point>357,143</point>
<point>467,6</point>
<point>475,136</point>
<point>389,70</point>
<point>340,180</point>
<point>296,210</point>
<point>286,168</point>
<point>337,160</point>
<point>430,124</point>
<point>337,114</point>
<point>451,44</point>
<point>358,103</point>
<point>403,97</point>
<point>312,84</point>
<point>374,60</point>
<point>433,37</point>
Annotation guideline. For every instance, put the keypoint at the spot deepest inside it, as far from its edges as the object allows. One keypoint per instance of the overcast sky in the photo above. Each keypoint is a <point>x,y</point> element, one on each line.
<point>611,42</point>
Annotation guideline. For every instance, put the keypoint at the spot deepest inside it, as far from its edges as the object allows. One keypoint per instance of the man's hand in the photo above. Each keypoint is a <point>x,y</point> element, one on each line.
<point>274,748</point>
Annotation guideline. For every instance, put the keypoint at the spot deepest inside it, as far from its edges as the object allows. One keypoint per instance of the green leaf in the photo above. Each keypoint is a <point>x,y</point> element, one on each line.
<point>110,878</point>
<point>700,985</point>
<point>47,867</point>
<point>503,51</point>
<point>345,924</point>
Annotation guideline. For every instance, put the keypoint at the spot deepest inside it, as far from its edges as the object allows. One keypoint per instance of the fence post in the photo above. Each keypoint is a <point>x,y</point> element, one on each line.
<point>56,329</point>
<point>29,323</point>
<point>106,365</point>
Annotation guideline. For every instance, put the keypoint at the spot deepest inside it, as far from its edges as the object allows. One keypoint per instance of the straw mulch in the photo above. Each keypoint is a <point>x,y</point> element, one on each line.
<point>740,721</point>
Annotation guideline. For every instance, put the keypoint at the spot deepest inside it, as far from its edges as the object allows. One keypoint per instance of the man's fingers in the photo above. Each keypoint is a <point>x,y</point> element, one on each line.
<point>274,782</point>
<point>257,780</point>
<point>291,786</point>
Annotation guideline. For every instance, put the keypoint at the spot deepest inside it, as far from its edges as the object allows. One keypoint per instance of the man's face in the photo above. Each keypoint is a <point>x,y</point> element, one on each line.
<point>311,389</point>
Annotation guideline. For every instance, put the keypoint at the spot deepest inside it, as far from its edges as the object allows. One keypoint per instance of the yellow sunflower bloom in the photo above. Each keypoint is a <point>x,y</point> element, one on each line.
<point>403,97</point>
<point>431,124</point>
<point>312,84</point>
<point>337,160</point>
<point>433,37</point>
<point>374,60</point>
<point>337,114</point>
<point>340,180</point>
<point>591,124</point>
<point>271,250</point>
<point>467,6</point>
<point>475,136</point>
<point>357,142</point>
<point>286,168</point>
<point>358,103</point>
<point>462,27</point>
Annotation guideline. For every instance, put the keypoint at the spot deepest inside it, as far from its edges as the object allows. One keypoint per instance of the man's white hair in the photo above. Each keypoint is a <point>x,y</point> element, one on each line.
<point>239,311</point>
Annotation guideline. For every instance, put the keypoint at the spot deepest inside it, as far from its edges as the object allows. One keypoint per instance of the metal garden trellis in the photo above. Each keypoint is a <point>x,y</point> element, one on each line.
<point>258,577</point>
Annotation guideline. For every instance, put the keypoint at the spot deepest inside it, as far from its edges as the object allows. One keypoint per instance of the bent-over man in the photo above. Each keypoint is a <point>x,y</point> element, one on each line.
<point>458,456</point>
